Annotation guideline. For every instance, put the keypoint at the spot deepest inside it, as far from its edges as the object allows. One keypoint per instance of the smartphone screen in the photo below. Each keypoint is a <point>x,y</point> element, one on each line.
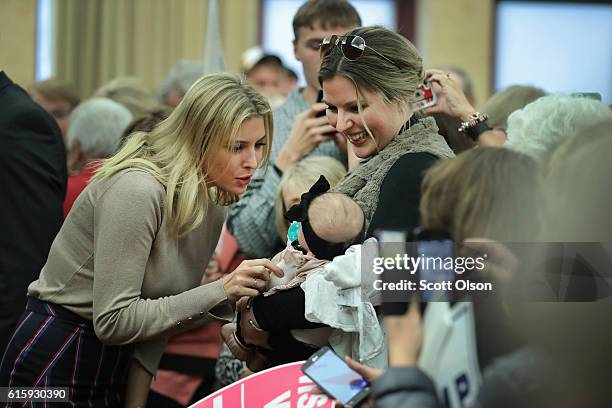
<point>319,99</point>
<point>435,268</point>
<point>390,244</point>
<point>335,377</point>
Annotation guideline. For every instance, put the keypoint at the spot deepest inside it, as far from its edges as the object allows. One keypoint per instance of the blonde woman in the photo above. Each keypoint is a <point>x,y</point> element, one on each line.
<point>298,179</point>
<point>369,77</point>
<point>123,273</point>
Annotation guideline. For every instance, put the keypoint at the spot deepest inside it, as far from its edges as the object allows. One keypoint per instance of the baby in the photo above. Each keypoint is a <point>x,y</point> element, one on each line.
<point>323,226</point>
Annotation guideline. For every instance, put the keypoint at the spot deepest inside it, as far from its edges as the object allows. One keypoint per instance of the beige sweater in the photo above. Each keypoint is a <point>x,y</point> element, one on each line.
<point>114,263</point>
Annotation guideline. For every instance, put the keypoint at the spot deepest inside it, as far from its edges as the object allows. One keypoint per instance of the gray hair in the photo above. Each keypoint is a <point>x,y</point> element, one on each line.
<point>499,106</point>
<point>541,125</point>
<point>180,78</point>
<point>97,124</point>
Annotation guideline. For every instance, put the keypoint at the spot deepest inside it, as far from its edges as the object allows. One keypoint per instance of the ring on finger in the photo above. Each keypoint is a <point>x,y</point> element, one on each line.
<point>448,76</point>
<point>254,283</point>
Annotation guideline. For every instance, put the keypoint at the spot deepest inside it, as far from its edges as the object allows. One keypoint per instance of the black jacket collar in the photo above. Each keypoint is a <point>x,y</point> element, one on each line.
<point>4,80</point>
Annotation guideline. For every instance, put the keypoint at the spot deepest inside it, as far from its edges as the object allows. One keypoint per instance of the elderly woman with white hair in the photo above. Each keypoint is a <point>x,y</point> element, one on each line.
<point>538,128</point>
<point>535,130</point>
<point>178,80</point>
<point>95,133</point>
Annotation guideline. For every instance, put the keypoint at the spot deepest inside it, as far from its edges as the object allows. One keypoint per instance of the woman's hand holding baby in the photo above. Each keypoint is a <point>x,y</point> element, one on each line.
<point>249,328</point>
<point>249,278</point>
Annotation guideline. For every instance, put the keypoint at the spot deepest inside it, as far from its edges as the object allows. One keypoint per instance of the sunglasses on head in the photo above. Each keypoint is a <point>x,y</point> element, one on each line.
<point>352,47</point>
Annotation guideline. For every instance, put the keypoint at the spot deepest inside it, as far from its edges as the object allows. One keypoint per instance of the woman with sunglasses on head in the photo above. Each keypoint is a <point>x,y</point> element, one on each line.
<point>123,273</point>
<point>369,77</point>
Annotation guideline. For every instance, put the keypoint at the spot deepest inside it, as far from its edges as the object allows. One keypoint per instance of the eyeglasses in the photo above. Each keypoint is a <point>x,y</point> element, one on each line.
<point>352,47</point>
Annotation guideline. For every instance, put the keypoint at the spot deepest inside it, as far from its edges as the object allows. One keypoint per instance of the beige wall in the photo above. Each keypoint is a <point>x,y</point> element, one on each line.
<point>448,31</point>
<point>18,39</point>
<point>238,20</point>
<point>458,32</point>
<point>101,40</point>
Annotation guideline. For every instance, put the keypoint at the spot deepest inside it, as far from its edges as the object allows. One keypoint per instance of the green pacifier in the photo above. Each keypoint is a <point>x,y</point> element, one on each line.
<point>292,232</point>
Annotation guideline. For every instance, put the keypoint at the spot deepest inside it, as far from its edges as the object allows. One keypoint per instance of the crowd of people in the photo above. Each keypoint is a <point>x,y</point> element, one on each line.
<point>155,248</point>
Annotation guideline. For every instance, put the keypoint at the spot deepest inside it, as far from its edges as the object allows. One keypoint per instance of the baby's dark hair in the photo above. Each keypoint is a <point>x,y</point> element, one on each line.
<point>336,218</point>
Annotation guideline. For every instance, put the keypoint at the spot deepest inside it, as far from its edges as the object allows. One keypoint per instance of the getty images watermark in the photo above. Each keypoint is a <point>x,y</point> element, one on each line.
<point>435,273</point>
<point>526,271</point>
<point>436,270</point>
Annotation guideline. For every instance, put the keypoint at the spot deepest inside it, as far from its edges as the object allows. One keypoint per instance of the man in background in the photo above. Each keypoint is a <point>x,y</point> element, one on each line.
<point>298,132</point>
<point>33,183</point>
<point>264,72</point>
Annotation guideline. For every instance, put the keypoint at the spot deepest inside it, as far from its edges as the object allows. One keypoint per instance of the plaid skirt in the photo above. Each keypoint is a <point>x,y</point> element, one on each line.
<point>53,347</point>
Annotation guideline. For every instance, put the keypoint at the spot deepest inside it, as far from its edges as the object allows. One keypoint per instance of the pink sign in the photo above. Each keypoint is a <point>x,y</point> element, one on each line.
<point>284,386</point>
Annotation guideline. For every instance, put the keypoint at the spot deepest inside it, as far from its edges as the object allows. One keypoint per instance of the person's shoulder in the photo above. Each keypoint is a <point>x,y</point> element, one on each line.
<point>294,105</point>
<point>16,101</point>
<point>132,184</point>
<point>20,113</point>
<point>136,179</point>
<point>411,162</point>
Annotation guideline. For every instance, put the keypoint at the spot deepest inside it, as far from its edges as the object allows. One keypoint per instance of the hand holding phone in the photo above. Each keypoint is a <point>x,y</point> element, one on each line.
<point>307,132</point>
<point>450,97</point>
<point>423,254</point>
<point>404,336</point>
<point>334,376</point>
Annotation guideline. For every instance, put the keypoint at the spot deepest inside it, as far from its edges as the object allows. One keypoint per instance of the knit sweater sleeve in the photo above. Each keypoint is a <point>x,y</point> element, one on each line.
<point>400,193</point>
<point>126,221</point>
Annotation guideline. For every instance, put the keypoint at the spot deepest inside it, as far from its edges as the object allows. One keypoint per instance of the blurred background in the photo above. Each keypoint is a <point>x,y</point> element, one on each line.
<point>560,46</point>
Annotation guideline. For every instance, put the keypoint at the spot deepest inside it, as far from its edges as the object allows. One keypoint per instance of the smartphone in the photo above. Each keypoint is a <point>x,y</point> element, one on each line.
<point>425,96</point>
<point>433,277</point>
<point>322,113</point>
<point>591,95</point>
<point>393,242</point>
<point>436,249</point>
<point>336,378</point>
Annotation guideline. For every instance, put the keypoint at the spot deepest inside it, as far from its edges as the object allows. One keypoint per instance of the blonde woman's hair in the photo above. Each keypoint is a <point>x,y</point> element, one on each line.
<point>485,193</point>
<point>301,176</point>
<point>179,152</point>
<point>395,82</point>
